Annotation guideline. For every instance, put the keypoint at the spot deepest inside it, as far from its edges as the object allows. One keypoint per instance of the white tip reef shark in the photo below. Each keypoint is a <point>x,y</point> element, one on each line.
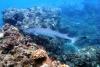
<point>48,32</point>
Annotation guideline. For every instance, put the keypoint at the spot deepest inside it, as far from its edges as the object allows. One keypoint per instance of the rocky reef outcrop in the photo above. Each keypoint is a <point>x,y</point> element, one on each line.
<point>17,50</point>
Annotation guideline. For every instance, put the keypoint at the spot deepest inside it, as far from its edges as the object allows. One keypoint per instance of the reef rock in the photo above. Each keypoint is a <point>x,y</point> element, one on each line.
<point>17,50</point>
<point>32,17</point>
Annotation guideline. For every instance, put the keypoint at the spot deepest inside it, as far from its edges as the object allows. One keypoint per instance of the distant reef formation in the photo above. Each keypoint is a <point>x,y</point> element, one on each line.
<point>33,17</point>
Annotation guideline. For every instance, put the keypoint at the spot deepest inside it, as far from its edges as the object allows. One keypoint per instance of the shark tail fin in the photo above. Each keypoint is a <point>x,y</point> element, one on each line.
<point>73,40</point>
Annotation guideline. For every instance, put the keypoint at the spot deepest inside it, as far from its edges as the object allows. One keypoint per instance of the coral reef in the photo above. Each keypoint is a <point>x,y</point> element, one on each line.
<point>17,50</point>
<point>38,17</point>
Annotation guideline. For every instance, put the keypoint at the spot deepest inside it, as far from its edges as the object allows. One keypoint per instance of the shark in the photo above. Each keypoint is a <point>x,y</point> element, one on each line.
<point>49,33</point>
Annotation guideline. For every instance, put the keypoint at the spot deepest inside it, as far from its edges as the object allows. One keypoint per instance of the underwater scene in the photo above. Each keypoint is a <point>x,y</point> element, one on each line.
<point>49,33</point>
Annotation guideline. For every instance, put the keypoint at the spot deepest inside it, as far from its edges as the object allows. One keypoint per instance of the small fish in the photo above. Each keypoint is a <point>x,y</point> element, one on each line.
<point>48,32</point>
